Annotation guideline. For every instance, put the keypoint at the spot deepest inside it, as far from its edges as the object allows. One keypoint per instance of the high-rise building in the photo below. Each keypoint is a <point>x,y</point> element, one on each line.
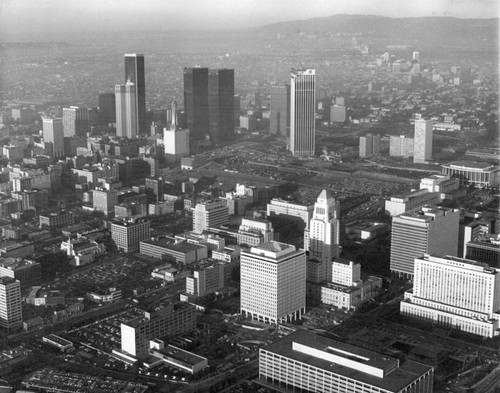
<point>280,110</point>
<point>422,140</point>
<point>455,292</point>
<point>307,362</point>
<point>210,214</point>
<point>432,230</point>
<point>175,140</point>
<point>53,133</point>
<point>107,108</point>
<point>127,124</point>
<point>302,112</point>
<point>221,105</point>
<point>401,146</point>
<point>196,102</point>
<point>105,200</point>
<point>416,56</point>
<point>369,145</point>
<point>134,73</point>
<point>11,317</point>
<point>323,237</point>
<point>127,234</point>
<point>273,283</point>
<point>75,121</point>
<point>338,113</point>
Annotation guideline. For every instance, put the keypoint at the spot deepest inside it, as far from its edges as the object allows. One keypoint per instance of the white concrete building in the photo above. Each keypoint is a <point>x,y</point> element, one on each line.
<point>210,214</point>
<point>281,207</point>
<point>11,316</point>
<point>422,140</point>
<point>323,236</point>
<point>273,283</point>
<point>455,292</point>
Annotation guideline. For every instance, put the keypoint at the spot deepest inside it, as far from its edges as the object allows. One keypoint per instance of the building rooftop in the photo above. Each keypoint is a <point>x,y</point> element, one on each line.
<point>17,263</point>
<point>347,360</point>
<point>472,165</point>
<point>181,356</point>
<point>7,280</point>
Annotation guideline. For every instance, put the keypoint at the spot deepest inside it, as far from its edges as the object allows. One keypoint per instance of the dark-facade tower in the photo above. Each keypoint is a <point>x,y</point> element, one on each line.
<point>134,73</point>
<point>221,105</point>
<point>196,102</point>
<point>280,110</point>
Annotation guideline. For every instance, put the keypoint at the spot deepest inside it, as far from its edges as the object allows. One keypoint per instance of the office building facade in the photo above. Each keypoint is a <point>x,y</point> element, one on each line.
<point>221,105</point>
<point>401,146</point>
<point>432,230</point>
<point>53,134</point>
<point>11,316</point>
<point>273,283</point>
<point>210,214</point>
<point>76,121</point>
<point>135,73</point>
<point>369,145</point>
<point>306,362</point>
<point>422,140</point>
<point>127,234</point>
<point>302,112</point>
<point>127,122</point>
<point>196,102</point>
<point>165,323</point>
<point>457,293</point>
<point>280,110</point>
<point>107,108</point>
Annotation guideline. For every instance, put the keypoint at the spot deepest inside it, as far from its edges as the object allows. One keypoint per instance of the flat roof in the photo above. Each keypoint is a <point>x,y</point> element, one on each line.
<point>395,380</point>
<point>472,165</point>
<point>181,355</point>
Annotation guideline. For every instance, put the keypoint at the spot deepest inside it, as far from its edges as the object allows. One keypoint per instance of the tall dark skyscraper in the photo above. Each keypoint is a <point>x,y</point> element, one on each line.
<point>134,73</point>
<point>280,110</point>
<point>196,102</point>
<point>107,108</point>
<point>221,105</point>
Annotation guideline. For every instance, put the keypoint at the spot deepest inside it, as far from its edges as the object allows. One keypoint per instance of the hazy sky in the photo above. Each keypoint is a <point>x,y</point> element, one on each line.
<point>25,19</point>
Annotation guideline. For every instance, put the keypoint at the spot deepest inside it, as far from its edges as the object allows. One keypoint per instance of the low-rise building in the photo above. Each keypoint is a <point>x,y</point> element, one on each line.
<point>304,361</point>
<point>26,271</point>
<point>177,252</point>
<point>176,357</point>
<point>108,295</point>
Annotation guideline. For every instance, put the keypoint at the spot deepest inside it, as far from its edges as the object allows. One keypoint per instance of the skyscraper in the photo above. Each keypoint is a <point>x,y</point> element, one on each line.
<point>273,282</point>
<point>107,108</point>
<point>11,317</point>
<point>302,111</point>
<point>280,110</point>
<point>432,230</point>
<point>221,105</point>
<point>324,237</point>
<point>196,102</point>
<point>423,140</point>
<point>127,124</point>
<point>53,134</point>
<point>134,73</point>
<point>75,121</point>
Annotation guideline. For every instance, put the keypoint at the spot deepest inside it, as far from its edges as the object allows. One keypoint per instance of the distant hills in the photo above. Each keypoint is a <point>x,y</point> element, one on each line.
<point>406,31</point>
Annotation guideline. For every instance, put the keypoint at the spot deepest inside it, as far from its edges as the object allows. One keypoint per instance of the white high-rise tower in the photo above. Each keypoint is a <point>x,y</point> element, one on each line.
<point>127,121</point>
<point>302,112</point>
<point>323,237</point>
<point>422,148</point>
